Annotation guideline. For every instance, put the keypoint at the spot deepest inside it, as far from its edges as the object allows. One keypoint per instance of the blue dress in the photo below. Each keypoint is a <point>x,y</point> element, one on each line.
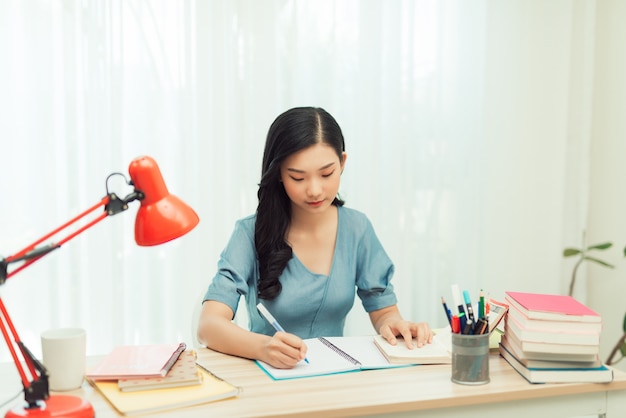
<point>310,305</point>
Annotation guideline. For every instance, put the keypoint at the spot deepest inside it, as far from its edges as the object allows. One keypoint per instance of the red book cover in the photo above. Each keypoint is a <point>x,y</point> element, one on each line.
<point>552,307</point>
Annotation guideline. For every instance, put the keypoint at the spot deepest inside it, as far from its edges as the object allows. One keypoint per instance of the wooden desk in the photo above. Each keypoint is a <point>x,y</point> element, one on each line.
<point>391,392</point>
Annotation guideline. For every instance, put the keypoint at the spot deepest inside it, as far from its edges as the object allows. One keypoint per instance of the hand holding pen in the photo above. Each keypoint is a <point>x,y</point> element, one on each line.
<point>286,339</point>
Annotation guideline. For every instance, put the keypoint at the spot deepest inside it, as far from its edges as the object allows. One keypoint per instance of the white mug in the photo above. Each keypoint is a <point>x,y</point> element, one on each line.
<point>64,351</point>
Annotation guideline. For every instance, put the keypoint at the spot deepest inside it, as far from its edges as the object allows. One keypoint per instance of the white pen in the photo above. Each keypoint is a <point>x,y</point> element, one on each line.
<point>456,296</point>
<point>270,318</point>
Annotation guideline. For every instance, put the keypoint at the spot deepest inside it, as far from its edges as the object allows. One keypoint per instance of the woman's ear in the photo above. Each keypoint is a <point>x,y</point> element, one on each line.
<point>344,157</point>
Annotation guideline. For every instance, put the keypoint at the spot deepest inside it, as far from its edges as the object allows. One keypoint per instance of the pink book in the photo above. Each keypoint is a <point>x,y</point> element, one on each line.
<point>136,361</point>
<point>183,373</point>
<point>551,307</point>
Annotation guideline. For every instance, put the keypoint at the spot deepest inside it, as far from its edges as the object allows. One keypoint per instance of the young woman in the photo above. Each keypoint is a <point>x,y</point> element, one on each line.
<point>303,254</point>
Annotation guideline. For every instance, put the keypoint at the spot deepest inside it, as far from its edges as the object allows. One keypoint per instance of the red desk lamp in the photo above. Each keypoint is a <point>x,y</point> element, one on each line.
<point>162,217</point>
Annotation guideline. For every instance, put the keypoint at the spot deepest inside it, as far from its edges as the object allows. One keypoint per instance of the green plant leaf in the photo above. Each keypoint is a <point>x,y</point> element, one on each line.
<point>622,349</point>
<point>596,260</point>
<point>624,326</point>
<point>624,251</point>
<point>569,252</point>
<point>603,246</point>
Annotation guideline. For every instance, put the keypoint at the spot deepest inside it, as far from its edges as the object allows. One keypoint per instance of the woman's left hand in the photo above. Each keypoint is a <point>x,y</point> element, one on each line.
<point>407,330</point>
<point>390,325</point>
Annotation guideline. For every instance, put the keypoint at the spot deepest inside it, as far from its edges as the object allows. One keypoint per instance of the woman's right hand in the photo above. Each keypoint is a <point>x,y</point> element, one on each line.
<point>217,332</point>
<point>284,350</point>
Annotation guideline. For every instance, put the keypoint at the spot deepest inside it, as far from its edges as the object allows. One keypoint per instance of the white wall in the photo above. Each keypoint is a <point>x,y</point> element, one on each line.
<point>607,200</point>
<point>468,126</point>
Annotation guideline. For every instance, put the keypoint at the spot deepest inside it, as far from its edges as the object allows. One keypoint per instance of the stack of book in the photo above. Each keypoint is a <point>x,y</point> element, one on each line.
<point>553,339</point>
<point>139,379</point>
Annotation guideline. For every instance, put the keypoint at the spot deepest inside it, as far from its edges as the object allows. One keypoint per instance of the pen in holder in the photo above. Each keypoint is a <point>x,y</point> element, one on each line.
<point>470,359</point>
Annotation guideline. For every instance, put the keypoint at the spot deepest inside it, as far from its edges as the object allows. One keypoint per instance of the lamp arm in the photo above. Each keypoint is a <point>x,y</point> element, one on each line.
<point>112,206</point>
<point>36,386</point>
<point>35,389</point>
<point>31,253</point>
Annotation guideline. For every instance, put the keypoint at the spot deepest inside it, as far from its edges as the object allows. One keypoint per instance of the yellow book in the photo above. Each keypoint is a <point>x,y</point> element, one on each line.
<point>148,401</point>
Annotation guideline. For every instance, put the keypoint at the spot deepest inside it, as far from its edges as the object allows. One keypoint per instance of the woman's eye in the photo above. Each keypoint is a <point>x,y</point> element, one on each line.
<point>329,174</point>
<point>296,179</point>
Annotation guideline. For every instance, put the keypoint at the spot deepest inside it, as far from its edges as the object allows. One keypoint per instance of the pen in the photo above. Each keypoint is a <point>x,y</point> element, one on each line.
<point>482,326</point>
<point>447,311</point>
<point>456,324</point>
<point>487,306</point>
<point>273,322</point>
<point>455,296</point>
<point>468,304</point>
<point>481,304</point>
<point>468,327</point>
<point>462,321</point>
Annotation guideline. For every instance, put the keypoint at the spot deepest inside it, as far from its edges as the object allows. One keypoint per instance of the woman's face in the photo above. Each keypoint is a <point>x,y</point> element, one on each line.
<point>311,177</point>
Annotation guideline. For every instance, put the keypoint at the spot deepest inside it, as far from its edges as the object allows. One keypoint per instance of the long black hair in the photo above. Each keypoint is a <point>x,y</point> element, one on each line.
<point>292,131</point>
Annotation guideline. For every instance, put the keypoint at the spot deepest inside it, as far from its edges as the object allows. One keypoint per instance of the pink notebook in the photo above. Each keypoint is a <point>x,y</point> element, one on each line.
<point>136,361</point>
<point>183,373</point>
<point>551,307</point>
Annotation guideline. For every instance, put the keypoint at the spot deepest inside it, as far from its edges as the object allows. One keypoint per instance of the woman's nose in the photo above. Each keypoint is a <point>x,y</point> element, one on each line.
<point>314,188</point>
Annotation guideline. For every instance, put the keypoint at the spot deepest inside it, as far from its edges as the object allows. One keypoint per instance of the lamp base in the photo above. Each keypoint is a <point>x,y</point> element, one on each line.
<point>56,406</point>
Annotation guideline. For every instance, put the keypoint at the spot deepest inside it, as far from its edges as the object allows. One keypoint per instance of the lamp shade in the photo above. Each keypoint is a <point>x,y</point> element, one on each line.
<point>162,217</point>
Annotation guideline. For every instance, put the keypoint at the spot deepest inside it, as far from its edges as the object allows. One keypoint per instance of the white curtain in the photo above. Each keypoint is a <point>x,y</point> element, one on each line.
<point>466,125</point>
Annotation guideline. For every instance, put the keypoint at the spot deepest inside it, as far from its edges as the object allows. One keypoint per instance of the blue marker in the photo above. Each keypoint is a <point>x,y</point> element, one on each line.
<point>270,318</point>
<point>468,304</point>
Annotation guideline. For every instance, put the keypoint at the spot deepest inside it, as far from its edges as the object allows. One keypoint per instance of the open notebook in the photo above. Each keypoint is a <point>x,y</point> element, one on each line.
<point>438,352</point>
<point>329,355</point>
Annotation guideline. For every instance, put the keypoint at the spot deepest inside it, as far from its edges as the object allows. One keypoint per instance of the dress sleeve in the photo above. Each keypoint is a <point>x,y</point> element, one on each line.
<point>236,268</point>
<point>374,272</point>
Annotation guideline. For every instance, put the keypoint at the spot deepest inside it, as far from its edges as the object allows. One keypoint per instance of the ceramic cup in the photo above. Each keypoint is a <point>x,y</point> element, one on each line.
<point>64,351</point>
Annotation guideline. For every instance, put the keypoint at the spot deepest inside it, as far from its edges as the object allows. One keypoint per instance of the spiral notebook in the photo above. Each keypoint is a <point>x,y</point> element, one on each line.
<point>330,355</point>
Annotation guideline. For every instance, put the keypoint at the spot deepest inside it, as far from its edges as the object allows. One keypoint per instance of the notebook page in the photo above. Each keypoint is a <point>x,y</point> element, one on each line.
<point>363,349</point>
<point>322,360</point>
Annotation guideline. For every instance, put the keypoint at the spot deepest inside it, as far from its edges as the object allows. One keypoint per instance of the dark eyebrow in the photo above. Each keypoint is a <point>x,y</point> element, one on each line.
<point>295,170</point>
